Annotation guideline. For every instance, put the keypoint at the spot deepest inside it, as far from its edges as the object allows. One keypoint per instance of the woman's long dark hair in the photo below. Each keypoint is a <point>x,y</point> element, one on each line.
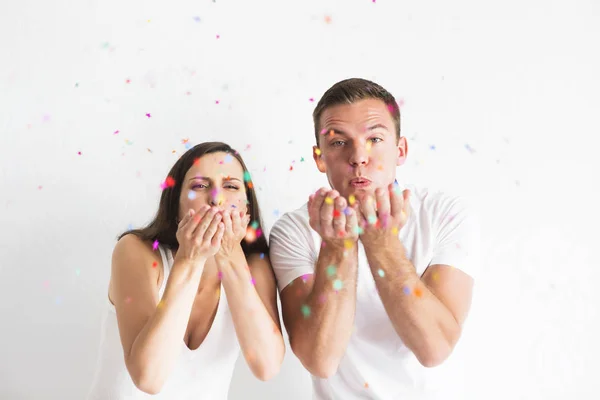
<point>164,225</point>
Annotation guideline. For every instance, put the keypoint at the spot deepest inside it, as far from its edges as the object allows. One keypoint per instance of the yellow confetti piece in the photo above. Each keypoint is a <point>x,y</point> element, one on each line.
<point>369,144</point>
<point>394,230</point>
<point>328,200</point>
<point>352,199</point>
<point>348,244</point>
<point>318,152</point>
<point>435,276</point>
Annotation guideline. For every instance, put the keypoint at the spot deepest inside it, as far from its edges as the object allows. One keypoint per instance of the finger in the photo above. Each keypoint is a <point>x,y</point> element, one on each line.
<point>382,196</point>
<point>339,218</point>
<point>406,208</point>
<point>396,200</point>
<point>205,222</point>
<point>351,221</point>
<point>326,213</point>
<point>235,221</point>
<point>192,223</point>
<point>212,228</point>
<point>246,221</point>
<point>228,228</point>
<point>315,208</point>
<point>367,208</point>
<point>218,236</point>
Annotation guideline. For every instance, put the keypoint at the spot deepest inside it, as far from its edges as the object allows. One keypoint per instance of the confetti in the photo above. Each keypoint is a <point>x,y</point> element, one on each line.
<point>247,176</point>
<point>197,19</point>
<point>262,256</point>
<point>155,245</point>
<point>116,133</point>
<point>191,195</point>
<point>418,292</point>
<point>318,152</point>
<point>432,147</point>
<point>148,115</point>
<point>337,284</point>
<point>305,310</point>
<point>351,199</point>
<point>328,200</point>
<point>311,99</point>
<point>331,271</point>
<point>327,19</point>
<point>381,273</point>
<point>228,158</point>
<point>301,159</point>
<point>406,290</point>
<point>169,182</point>
<point>372,219</point>
<point>154,264</point>
<point>79,153</point>
<point>220,275</point>
<point>348,244</point>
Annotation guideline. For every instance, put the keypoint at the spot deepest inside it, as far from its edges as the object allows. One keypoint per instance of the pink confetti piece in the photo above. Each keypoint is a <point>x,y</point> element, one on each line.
<point>148,115</point>
<point>116,133</point>
<point>79,153</point>
<point>311,99</point>
<point>155,245</point>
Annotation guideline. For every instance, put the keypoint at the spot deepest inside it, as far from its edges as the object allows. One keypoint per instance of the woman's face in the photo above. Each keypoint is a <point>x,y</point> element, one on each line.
<point>216,179</point>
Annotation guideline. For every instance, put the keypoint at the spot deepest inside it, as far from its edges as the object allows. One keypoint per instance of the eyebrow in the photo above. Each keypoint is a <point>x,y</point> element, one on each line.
<point>227,178</point>
<point>342,133</point>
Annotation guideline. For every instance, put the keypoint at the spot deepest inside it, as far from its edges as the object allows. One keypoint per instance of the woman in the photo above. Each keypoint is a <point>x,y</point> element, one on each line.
<point>170,328</point>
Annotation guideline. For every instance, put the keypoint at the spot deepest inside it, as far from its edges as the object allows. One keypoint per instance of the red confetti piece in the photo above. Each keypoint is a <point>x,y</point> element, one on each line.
<point>154,264</point>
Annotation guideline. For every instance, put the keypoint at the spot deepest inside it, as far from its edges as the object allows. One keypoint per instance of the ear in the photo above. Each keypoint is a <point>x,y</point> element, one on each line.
<point>318,157</point>
<point>402,151</point>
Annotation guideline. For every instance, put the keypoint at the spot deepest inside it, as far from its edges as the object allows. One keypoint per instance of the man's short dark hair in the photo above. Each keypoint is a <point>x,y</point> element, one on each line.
<point>350,91</point>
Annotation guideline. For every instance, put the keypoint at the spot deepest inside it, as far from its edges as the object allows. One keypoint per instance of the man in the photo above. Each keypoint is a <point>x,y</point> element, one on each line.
<point>375,281</point>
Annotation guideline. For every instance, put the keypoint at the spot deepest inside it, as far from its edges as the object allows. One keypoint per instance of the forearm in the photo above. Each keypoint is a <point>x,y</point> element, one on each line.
<point>159,343</point>
<point>422,321</point>
<point>259,336</point>
<point>321,334</point>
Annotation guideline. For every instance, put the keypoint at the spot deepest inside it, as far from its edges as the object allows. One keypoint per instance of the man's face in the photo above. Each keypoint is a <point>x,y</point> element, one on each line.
<point>216,179</point>
<point>358,147</point>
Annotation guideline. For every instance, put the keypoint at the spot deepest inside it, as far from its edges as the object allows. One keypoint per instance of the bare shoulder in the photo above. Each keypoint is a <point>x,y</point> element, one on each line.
<point>133,261</point>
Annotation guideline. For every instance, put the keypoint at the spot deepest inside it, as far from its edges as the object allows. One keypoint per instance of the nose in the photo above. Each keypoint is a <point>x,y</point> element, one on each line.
<point>215,198</point>
<point>359,156</point>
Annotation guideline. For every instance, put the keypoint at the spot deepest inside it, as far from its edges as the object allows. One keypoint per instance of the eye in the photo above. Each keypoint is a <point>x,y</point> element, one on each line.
<point>337,143</point>
<point>376,140</point>
<point>199,184</point>
<point>232,187</point>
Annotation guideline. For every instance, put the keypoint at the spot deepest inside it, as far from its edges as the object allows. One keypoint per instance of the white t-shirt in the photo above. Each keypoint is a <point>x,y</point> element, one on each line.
<point>441,229</point>
<point>203,373</point>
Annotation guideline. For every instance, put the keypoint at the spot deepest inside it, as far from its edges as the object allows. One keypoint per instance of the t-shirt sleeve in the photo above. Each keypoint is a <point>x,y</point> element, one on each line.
<point>290,251</point>
<point>458,239</point>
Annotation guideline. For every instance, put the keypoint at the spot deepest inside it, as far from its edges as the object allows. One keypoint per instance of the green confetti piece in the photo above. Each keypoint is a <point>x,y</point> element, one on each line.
<point>247,176</point>
<point>305,310</point>
<point>331,270</point>
<point>337,284</point>
<point>381,273</point>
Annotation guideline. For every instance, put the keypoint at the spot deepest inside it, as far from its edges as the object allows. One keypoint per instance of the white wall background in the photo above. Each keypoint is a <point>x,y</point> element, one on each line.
<point>500,102</point>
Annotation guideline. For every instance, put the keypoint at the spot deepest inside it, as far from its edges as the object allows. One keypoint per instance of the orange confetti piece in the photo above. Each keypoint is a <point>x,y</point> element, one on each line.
<point>418,292</point>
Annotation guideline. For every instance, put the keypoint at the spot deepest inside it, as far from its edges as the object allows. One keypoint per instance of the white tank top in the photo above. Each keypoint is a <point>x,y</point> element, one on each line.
<point>204,373</point>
